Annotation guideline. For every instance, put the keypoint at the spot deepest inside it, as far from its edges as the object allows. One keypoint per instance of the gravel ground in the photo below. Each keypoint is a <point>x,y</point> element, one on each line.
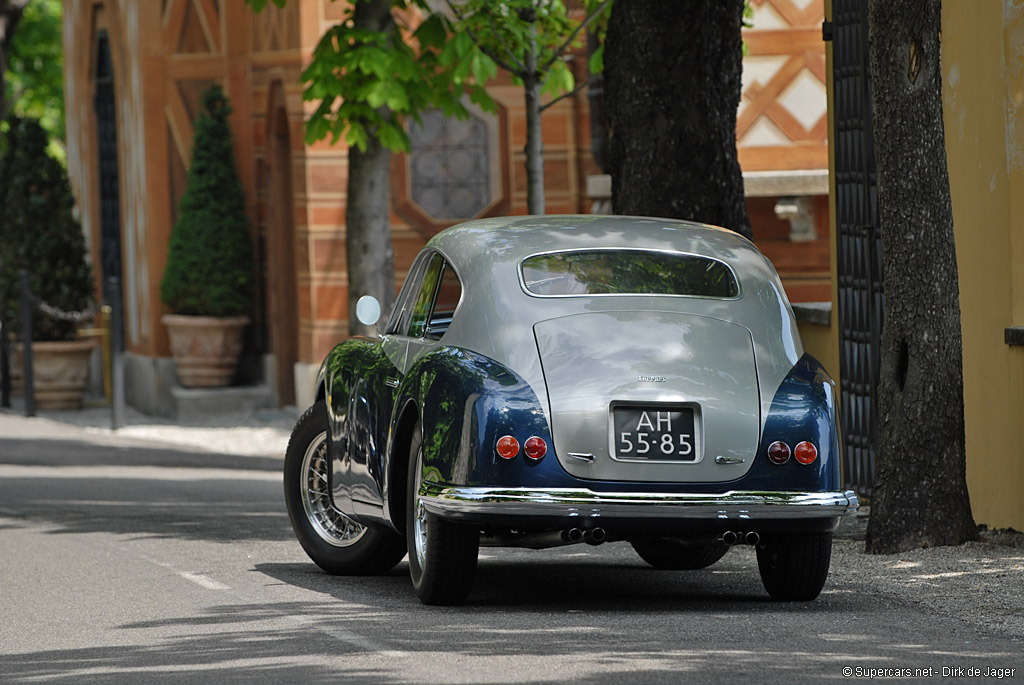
<point>980,583</point>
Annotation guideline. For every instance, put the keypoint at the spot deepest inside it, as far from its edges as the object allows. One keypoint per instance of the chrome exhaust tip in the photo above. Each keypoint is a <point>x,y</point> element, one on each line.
<point>594,536</point>
<point>729,537</point>
<point>752,538</point>
<point>572,535</point>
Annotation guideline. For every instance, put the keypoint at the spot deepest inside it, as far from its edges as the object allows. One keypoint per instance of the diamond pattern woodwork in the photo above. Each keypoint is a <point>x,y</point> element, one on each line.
<point>782,121</point>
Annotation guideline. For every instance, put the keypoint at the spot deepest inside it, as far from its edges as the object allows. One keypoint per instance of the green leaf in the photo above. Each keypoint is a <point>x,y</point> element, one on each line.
<point>560,79</point>
<point>432,32</point>
<point>393,137</point>
<point>595,65</point>
<point>463,43</point>
<point>356,136</point>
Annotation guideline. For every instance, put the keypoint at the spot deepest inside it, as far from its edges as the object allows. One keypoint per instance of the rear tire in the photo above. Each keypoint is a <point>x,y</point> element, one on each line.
<point>794,567</point>
<point>442,554</point>
<point>335,542</point>
<point>675,554</point>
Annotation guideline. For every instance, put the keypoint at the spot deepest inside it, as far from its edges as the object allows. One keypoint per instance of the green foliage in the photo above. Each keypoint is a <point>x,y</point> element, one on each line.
<point>39,233</point>
<point>386,76</point>
<point>35,78</point>
<point>366,82</point>
<point>534,40</point>
<point>209,269</point>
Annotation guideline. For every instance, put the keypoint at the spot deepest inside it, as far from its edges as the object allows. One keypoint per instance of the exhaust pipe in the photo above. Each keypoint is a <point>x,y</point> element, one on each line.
<point>729,537</point>
<point>572,535</point>
<point>594,536</point>
<point>752,538</point>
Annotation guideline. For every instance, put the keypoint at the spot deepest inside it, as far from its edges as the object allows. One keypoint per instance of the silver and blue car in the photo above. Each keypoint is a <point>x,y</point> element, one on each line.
<point>547,381</point>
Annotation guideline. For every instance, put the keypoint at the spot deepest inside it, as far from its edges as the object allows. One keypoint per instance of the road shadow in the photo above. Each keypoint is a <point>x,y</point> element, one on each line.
<point>71,487</point>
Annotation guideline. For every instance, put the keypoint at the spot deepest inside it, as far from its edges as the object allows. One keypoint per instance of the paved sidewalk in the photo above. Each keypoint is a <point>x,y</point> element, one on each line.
<point>263,432</point>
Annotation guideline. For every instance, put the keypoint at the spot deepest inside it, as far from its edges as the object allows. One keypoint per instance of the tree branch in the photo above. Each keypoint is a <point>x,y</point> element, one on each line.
<point>572,92</point>
<point>519,69</point>
<point>572,36</point>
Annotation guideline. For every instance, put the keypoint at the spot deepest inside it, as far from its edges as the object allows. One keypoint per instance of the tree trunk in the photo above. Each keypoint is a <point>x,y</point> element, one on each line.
<point>10,14</point>
<point>534,142</point>
<point>371,259</point>
<point>920,497</point>
<point>671,90</point>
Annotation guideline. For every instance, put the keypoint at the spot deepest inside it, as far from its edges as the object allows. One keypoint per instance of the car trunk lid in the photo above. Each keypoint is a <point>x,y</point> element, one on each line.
<point>650,396</point>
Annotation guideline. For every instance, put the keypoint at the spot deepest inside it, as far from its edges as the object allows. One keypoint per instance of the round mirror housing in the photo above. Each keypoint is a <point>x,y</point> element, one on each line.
<point>367,310</point>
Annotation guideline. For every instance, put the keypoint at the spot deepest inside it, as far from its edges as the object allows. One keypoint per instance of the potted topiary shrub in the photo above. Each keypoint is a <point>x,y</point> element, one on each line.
<point>207,281</point>
<point>39,234</point>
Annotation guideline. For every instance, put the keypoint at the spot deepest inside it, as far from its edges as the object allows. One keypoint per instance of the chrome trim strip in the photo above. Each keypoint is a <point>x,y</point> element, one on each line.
<point>752,505</point>
<point>582,456</point>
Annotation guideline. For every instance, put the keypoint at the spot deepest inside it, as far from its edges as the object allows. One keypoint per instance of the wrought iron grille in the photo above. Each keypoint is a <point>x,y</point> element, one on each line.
<point>859,246</point>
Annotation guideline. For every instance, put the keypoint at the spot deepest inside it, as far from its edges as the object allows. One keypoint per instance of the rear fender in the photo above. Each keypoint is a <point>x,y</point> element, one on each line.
<point>804,408</point>
<point>465,402</point>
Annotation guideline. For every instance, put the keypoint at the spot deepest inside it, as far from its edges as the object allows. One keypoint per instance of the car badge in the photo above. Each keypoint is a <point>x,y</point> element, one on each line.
<point>651,379</point>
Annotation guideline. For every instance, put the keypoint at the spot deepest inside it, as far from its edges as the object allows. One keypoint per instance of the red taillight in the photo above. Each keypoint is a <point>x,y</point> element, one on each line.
<point>778,452</point>
<point>535,448</point>
<point>805,452</point>
<point>508,447</point>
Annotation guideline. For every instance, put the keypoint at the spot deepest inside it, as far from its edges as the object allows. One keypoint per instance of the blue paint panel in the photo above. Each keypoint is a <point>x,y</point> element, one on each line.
<point>804,408</point>
<point>467,401</point>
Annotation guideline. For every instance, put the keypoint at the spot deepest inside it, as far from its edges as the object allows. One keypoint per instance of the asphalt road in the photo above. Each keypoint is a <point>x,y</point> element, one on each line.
<point>125,562</point>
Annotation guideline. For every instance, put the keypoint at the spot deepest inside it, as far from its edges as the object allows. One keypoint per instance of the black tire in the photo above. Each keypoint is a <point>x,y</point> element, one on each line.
<point>794,567</point>
<point>674,554</point>
<point>442,554</point>
<point>336,543</point>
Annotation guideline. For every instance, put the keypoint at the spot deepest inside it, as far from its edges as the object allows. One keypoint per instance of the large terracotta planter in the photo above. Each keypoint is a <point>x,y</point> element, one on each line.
<point>60,372</point>
<point>206,348</point>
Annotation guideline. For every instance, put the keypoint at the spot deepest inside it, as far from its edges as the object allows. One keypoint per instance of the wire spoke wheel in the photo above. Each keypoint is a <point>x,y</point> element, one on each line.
<point>330,524</point>
<point>337,543</point>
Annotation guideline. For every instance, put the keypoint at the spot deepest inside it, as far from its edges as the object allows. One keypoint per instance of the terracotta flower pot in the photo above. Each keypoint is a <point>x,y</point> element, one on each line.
<point>206,348</point>
<point>60,372</point>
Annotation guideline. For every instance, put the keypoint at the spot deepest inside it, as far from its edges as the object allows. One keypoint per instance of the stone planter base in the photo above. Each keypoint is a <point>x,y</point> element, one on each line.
<point>206,348</point>
<point>60,372</point>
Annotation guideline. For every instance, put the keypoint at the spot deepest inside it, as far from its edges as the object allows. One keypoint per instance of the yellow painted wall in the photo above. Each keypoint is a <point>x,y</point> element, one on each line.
<point>983,102</point>
<point>823,341</point>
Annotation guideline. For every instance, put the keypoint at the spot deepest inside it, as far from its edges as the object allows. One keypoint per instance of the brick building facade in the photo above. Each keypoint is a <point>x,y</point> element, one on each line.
<point>134,72</point>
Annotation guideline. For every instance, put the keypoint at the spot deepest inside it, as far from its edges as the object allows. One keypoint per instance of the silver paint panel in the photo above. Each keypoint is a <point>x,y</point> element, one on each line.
<point>594,361</point>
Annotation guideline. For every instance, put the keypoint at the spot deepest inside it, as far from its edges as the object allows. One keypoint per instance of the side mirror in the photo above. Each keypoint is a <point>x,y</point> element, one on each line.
<point>367,310</point>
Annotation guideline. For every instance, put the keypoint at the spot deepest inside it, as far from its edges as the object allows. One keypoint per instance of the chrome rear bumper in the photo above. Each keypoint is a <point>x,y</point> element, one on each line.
<point>557,502</point>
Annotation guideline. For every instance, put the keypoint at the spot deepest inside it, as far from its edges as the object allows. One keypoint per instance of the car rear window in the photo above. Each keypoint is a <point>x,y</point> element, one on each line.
<point>627,272</point>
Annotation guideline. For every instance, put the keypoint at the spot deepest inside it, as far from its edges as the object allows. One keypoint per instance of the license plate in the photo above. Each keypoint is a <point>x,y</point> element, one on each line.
<point>654,434</point>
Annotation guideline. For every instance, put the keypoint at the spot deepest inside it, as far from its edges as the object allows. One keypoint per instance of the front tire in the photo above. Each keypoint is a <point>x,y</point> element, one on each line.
<point>675,554</point>
<point>336,543</point>
<point>794,567</point>
<point>442,554</point>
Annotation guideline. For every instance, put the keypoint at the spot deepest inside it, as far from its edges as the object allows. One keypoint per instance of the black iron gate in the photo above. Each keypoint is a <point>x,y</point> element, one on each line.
<point>859,245</point>
<point>106,130</point>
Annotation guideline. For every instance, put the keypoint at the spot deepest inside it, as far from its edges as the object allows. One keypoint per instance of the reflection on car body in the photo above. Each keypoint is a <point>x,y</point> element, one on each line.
<point>552,380</point>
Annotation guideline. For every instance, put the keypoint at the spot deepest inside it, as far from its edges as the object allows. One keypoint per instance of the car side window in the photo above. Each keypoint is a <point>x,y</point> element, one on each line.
<point>398,323</point>
<point>449,293</point>
<point>425,299</point>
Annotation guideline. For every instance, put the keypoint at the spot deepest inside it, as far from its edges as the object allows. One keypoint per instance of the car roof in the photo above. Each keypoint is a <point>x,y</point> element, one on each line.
<point>514,238</point>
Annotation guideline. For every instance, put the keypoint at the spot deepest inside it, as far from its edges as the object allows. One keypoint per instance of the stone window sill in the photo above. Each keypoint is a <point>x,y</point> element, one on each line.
<point>819,313</point>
